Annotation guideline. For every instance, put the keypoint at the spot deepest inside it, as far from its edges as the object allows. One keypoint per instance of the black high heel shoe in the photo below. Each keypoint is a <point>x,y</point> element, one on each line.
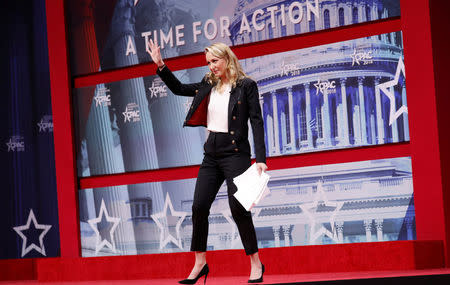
<point>260,279</point>
<point>204,271</point>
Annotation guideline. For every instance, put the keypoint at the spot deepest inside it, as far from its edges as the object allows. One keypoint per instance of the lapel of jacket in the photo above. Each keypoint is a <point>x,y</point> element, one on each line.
<point>202,92</point>
<point>235,95</point>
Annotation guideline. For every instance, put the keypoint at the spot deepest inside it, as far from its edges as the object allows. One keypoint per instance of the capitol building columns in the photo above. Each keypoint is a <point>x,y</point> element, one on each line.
<point>362,111</point>
<point>304,23</point>
<point>368,229</point>
<point>340,231</point>
<point>276,234</point>
<point>395,137</point>
<point>291,119</point>
<point>405,115</point>
<point>286,232</point>
<point>350,115</point>
<point>275,122</point>
<point>308,115</point>
<point>326,122</point>
<point>409,228</point>
<point>343,130</point>
<point>379,118</point>
<point>379,226</point>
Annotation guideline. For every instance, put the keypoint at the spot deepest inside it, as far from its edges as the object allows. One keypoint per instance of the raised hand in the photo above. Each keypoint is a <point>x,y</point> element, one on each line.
<point>155,53</point>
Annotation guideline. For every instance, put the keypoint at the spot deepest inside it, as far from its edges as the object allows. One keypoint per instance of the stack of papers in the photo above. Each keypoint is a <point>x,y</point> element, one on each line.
<point>251,186</point>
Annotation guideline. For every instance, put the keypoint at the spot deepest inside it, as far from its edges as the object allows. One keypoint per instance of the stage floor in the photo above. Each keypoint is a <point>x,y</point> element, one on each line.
<point>387,277</point>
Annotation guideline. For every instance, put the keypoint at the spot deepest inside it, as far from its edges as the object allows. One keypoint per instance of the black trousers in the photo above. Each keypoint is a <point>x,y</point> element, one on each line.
<point>222,161</point>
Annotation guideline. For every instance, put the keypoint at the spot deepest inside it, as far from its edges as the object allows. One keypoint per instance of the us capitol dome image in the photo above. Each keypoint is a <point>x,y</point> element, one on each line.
<point>325,97</point>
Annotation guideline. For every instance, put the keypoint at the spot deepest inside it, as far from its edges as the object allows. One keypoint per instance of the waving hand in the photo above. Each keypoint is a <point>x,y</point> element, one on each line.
<point>155,53</point>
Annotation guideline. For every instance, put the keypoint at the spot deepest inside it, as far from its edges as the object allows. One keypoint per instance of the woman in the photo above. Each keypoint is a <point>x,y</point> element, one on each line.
<point>223,102</point>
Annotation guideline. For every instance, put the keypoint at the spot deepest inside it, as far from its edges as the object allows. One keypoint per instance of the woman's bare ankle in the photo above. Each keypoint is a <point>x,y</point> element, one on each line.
<point>200,258</point>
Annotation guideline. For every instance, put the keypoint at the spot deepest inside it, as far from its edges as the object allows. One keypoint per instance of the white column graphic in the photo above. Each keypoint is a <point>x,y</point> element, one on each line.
<point>286,233</point>
<point>276,234</point>
<point>340,231</point>
<point>409,228</point>
<point>373,132</point>
<point>368,229</point>
<point>270,136</point>
<point>283,124</point>
<point>356,124</point>
<point>380,123</point>
<point>103,160</point>
<point>326,123</point>
<point>394,124</point>
<point>405,115</point>
<point>136,138</point>
<point>345,132</point>
<point>362,110</point>
<point>291,118</point>
<point>275,122</point>
<point>308,115</point>
<point>379,225</point>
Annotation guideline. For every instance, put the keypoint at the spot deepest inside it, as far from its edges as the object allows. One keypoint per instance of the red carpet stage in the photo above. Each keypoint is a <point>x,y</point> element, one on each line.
<point>430,276</point>
<point>283,264</point>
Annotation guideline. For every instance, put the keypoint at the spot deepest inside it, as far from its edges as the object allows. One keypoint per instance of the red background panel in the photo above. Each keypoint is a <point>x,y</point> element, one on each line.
<point>60,86</point>
<point>423,119</point>
<point>440,23</point>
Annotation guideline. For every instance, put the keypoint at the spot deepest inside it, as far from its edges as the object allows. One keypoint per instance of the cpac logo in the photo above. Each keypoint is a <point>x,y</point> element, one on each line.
<point>157,89</point>
<point>363,56</point>
<point>46,124</point>
<point>16,143</point>
<point>290,69</point>
<point>325,86</point>
<point>132,113</point>
<point>102,98</point>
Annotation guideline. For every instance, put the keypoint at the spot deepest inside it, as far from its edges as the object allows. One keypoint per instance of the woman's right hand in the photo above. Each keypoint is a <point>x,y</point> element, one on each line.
<point>155,53</point>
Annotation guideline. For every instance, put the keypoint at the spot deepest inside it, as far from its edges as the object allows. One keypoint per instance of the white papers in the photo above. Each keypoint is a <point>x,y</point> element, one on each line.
<point>251,186</point>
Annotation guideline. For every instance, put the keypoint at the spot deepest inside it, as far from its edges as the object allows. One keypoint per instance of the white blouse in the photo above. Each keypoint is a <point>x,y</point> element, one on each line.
<point>217,118</point>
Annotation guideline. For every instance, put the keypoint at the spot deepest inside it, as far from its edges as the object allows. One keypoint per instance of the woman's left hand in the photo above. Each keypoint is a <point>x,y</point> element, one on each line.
<point>261,167</point>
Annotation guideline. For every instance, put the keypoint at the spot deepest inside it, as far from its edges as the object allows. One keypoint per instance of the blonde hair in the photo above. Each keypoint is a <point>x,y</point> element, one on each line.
<point>234,68</point>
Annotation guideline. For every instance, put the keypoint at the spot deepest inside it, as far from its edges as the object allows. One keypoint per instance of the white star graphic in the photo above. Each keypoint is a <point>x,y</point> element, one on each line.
<point>385,87</point>
<point>100,241</point>
<point>165,221</point>
<point>43,126</point>
<point>129,114</point>
<point>154,90</point>
<point>98,100</point>
<point>11,145</point>
<point>26,249</point>
<point>354,57</point>
<point>320,196</point>
<point>318,87</point>
<point>234,231</point>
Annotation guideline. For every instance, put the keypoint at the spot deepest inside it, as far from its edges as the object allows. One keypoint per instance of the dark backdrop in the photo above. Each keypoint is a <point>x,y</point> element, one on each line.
<point>27,163</point>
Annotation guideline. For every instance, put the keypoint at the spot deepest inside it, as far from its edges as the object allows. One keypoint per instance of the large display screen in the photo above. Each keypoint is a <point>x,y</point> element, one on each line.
<point>361,201</point>
<point>107,34</point>
<point>340,95</point>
